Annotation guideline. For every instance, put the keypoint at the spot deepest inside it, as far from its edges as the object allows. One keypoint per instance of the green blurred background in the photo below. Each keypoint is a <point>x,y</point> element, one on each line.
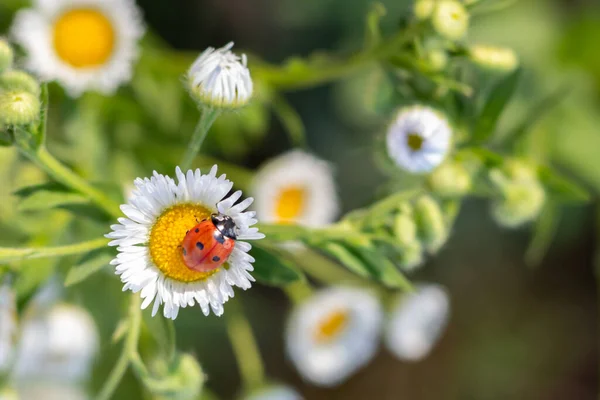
<point>515,332</point>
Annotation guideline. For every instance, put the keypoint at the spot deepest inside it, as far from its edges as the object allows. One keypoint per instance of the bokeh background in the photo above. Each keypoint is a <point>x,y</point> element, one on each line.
<point>516,332</point>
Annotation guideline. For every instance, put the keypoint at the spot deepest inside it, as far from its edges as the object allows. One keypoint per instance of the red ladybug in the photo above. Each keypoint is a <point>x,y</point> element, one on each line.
<point>208,245</point>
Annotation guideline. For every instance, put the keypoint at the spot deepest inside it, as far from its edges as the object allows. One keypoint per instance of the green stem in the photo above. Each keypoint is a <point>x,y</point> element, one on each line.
<point>244,347</point>
<point>65,176</point>
<point>9,254</point>
<point>298,291</point>
<point>128,352</point>
<point>209,115</point>
<point>290,120</point>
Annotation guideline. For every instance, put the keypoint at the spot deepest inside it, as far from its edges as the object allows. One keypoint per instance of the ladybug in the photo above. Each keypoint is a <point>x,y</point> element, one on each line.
<point>208,245</point>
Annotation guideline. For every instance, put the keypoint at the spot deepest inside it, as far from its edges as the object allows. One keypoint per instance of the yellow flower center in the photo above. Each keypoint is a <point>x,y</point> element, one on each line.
<point>331,326</point>
<point>84,37</point>
<point>290,204</point>
<point>414,141</point>
<point>165,241</point>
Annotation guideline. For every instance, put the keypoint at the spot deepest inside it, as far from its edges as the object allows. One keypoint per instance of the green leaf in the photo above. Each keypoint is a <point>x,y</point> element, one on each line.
<point>44,200</point>
<point>270,268</point>
<point>561,188</point>
<point>487,157</point>
<point>501,93</point>
<point>88,265</point>
<point>544,231</point>
<point>48,187</point>
<point>372,29</point>
<point>346,258</point>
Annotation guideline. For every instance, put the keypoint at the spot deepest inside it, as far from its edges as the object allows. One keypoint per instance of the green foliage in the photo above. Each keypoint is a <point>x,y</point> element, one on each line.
<point>271,268</point>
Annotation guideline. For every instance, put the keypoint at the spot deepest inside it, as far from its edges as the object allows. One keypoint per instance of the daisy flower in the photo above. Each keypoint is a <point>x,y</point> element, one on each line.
<point>8,326</point>
<point>82,44</point>
<point>296,188</point>
<point>418,139</point>
<point>333,334</point>
<point>220,78</point>
<point>160,212</point>
<point>57,344</point>
<point>417,321</point>
<point>277,392</point>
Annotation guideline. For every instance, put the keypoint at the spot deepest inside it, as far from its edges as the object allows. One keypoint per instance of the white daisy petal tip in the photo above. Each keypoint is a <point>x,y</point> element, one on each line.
<point>296,187</point>
<point>333,334</point>
<point>219,78</point>
<point>418,139</point>
<point>85,45</point>
<point>163,253</point>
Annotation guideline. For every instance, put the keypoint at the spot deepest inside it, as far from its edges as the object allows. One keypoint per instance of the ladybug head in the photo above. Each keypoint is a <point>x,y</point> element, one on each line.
<point>225,225</point>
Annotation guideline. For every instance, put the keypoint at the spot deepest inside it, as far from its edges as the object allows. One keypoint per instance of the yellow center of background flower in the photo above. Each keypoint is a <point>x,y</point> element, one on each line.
<point>165,241</point>
<point>331,326</point>
<point>84,38</point>
<point>289,204</point>
<point>414,141</point>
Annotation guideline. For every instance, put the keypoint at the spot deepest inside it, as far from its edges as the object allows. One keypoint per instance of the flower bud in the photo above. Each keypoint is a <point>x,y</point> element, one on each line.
<point>18,107</point>
<point>6,55</point>
<point>450,19</point>
<point>19,80</point>
<point>405,228</point>
<point>430,221</point>
<point>437,59</point>
<point>423,8</point>
<point>496,58</point>
<point>451,179</point>
<point>183,382</point>
<point>411,256</point>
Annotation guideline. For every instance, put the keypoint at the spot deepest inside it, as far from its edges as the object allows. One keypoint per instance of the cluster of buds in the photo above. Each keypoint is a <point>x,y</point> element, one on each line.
<point>19,92</point>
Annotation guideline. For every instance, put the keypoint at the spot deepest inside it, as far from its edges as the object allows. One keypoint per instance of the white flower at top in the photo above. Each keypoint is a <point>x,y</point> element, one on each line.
<point>83,44</point>
<point>295,188</point>
<point>334,334</point>
<point>160,212</point>
<point>417,321</point>
<point>56,344</point>
<point>220,78</point>
<point>277,392</point>
<point>418,139</point>
<point>8,326</point>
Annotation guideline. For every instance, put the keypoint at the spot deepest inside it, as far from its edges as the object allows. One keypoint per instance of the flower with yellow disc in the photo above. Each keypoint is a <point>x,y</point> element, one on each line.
<point>82,44</point>
<point>334,334</point>
<point>160,212</point>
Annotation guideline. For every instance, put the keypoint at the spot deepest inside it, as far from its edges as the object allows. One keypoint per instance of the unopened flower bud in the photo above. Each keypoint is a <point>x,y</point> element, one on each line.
<point>450,180</point>
<point>183,382</point>
<point>18,107</point>
<point>6,55</point>
<point>450,19</point>
<point>19,80</point>
<point>431,224</point>
<point>497,58</point>
<point>405,228</point>
<point>411,256</point>
<point>423,8</point>
<point>437,59</point>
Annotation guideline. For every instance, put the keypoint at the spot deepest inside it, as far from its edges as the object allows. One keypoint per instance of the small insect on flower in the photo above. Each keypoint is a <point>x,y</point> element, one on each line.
<point>184,243</point>
<point>418,139</point>
<point>220,78</point>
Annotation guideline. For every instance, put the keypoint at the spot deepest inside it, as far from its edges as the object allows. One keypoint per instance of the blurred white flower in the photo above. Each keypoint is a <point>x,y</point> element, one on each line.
<point>8,326</point>
<point>276,392</point>
<point>295,188</point>
<point>82,44</point>
<point>159,213</point>
<point>417,321</point>
<point>418,139</point>
<point>50,391</point>
<point>220,78</point>
<point>333,334</point>
<point>58,344</point>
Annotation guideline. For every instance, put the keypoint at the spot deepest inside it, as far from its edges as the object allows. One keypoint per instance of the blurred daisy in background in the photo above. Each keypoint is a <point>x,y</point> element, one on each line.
<point>295,188</point>
<point>51,391</point>
<point>82,44</point>
<point>418,139</point>
<point>333,334</point>
<point>57,345</point>
<point>275,392</point>
<point>8,327</point>
<point>417,321</point>
<point>159,213</point>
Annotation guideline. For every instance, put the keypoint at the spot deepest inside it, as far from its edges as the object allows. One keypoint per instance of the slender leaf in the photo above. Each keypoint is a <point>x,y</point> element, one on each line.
<point>46,187</point>
<point>45,200</point>
<point>88,265</point>
<point>495,104</point>
<point>561,188</point>
<point>346,258</point>
<point>543,233</point>
<point>372,29</point>
<point>271,268</point>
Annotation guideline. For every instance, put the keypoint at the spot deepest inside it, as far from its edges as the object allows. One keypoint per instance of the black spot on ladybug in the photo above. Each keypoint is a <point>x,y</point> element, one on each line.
<point>184,251</point>
<point>216,258</point>
<point>186,232</point>
<point>197,230</point>
<point>199,245</point>
<point>219,237</point>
